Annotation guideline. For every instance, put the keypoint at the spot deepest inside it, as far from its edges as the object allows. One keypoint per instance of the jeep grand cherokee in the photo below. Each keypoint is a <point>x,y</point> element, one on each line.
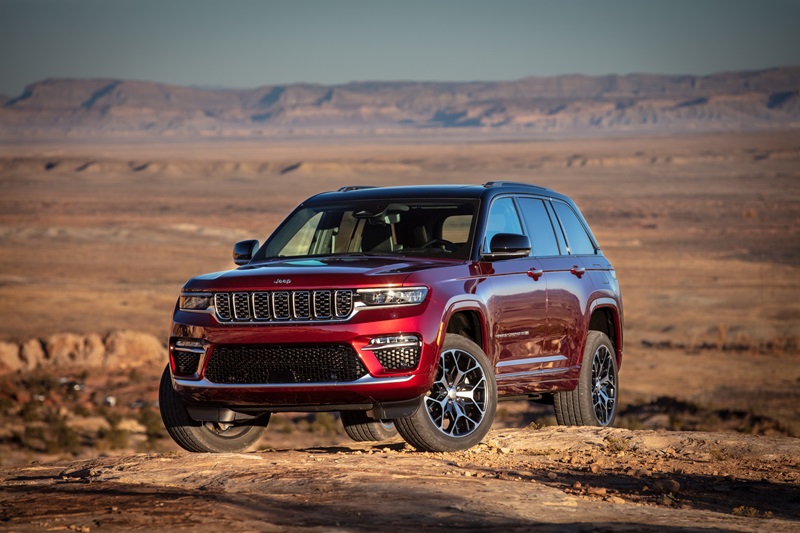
<point>408,310</point>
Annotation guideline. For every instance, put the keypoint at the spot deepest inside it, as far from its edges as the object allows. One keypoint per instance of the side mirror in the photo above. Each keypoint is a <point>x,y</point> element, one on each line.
<point>508,246</point>
<point>244,251</point>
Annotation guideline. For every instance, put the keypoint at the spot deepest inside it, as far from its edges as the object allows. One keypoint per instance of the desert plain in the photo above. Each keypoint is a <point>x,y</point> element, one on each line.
<point>97,237</point>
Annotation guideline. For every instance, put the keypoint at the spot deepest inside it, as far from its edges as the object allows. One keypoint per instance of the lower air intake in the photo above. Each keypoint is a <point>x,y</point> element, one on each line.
<point>284,364</point>
<point>185,363</point>
<point>401,358</point>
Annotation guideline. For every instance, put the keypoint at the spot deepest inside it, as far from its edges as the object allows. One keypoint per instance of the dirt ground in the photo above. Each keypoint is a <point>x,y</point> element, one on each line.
<point>704,231</point>
<point>553,479</point>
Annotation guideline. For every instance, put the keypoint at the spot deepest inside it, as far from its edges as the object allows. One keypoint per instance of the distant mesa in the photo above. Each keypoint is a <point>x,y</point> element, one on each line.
<point>564,105</point>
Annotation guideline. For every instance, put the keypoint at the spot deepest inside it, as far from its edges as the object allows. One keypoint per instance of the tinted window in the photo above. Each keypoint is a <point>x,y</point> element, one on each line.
<point>456,228</point>
<point>579,241</point>
<point>503,218</point>
<point>540,229</point>
<point>396,226</point>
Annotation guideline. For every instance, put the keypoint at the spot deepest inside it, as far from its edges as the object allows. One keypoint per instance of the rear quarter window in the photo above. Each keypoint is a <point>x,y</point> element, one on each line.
<point>579,241</point>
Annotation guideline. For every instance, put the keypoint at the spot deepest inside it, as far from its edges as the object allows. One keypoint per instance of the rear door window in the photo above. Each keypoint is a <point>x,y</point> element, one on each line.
<point>540,227</point>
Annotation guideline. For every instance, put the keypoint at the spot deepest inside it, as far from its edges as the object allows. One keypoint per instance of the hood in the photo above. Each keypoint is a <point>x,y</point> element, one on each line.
<point>317,272</point>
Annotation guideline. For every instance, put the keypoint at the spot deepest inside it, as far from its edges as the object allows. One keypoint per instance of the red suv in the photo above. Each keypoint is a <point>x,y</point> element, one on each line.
<point>409,310</point>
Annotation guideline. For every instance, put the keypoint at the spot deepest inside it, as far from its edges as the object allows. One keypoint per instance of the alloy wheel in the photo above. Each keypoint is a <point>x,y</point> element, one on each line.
<point>456,403</point>
<point>604,385</point>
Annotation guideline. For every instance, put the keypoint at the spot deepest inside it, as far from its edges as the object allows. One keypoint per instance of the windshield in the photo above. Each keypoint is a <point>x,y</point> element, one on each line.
<point>388,227</point>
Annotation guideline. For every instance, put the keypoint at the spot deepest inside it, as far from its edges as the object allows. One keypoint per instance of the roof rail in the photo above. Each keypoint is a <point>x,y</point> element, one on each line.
<point>514,183</point>
<point>348,188</point>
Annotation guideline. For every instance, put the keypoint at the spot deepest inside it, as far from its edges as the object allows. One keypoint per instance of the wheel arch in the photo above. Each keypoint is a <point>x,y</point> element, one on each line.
<point>467,318</point>
<point>605,317</point>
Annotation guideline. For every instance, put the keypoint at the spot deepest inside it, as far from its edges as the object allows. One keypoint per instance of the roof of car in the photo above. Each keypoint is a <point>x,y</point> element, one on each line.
<point>489,189</point>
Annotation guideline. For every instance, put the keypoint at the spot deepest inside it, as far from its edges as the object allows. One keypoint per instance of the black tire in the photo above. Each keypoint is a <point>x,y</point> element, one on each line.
<point>459,409</point>
<point>362,428</point>
<point>594,400</point>
<point>195,436</point>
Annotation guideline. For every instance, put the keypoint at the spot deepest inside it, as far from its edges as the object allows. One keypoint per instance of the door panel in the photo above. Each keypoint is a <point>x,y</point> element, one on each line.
<point>519,315</point>
<point>518,306</point>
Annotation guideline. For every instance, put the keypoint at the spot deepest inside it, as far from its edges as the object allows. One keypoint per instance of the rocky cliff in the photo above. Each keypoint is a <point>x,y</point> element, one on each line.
<point>573,104</point>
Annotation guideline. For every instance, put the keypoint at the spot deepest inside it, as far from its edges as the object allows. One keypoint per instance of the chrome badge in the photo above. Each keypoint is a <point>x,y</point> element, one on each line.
<point>285,281</point>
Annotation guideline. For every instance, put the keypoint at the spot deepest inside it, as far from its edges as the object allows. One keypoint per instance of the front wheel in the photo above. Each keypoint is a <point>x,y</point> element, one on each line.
<point>458,410</point>
<point>594,400</point>
<point>195,436</point>
<point>362,428</point>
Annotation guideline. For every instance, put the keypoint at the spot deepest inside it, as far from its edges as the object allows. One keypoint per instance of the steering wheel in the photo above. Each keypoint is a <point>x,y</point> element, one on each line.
<point>447,246</point>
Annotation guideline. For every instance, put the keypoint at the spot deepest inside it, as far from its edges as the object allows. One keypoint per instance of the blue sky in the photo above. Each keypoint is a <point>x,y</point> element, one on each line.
<point>251,43</point>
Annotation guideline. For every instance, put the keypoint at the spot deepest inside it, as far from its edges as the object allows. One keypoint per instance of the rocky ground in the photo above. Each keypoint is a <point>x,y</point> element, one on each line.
<point>548,479</point>
<point>96,241</point>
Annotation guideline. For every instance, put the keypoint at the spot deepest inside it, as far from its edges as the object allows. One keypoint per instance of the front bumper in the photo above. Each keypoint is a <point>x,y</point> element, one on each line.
<point>377,386</point>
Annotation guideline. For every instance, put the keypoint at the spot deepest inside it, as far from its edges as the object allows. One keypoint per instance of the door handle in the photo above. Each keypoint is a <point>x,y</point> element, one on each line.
<point>578,271</point>
<point>535,273</point>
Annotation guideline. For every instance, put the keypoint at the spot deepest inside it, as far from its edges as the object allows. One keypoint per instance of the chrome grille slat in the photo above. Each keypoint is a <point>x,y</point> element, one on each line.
<point>280,305</point>
<point>322,305</point>
<point>241,306</point>
<point>222,303</point>
<point>344,303</point>
<point>301,304</point>
<point>261,306</point>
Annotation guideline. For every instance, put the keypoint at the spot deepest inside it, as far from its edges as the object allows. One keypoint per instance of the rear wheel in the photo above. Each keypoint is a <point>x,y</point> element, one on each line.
<point>362,428</point>
<point>458,410</point>
<point>195,436</point>
<point>594,400</point>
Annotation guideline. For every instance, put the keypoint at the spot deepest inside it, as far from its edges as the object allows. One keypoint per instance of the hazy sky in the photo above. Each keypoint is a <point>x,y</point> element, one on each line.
<point>250,43</point>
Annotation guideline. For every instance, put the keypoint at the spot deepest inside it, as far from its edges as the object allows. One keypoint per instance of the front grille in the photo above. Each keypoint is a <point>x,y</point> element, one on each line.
<point>284,364</point>
<point>269,306</point>
<point>400,358</point>
<point>185,362</point>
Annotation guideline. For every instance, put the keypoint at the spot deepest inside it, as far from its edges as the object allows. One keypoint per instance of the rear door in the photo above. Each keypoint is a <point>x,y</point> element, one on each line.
<point>568,285</point>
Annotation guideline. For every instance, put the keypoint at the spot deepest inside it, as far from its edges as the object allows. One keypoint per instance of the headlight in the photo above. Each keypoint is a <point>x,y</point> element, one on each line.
<point>195,302</point>
<point>393,296</point>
